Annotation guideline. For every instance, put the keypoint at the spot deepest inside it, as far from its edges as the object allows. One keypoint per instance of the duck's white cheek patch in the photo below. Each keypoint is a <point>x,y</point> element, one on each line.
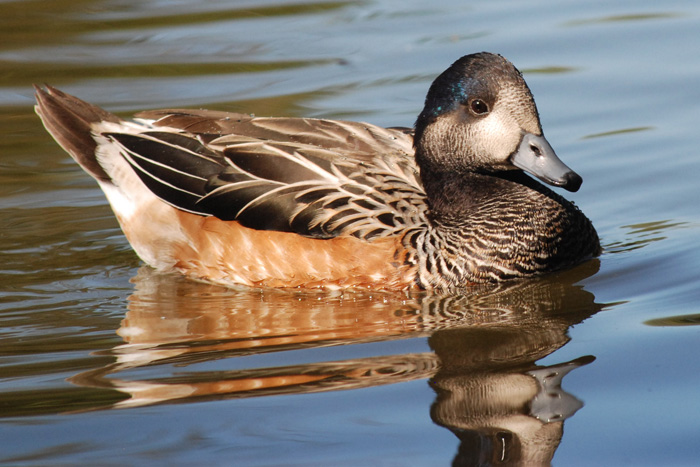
<point>496,136</point>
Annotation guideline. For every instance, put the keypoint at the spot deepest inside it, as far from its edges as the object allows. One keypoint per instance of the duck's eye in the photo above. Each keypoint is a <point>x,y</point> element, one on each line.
<point>479,107</point>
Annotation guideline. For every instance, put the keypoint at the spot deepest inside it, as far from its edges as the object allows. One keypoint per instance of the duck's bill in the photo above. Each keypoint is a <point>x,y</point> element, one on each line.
<point>536,157</point>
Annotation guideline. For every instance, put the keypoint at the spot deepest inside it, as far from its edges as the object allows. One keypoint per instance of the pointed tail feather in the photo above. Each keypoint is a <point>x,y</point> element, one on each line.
<point>69,120</point>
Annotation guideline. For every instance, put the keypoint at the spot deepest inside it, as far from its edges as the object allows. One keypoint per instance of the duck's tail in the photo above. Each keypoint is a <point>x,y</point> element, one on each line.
<point>82,129</point>
<point>70,121</point>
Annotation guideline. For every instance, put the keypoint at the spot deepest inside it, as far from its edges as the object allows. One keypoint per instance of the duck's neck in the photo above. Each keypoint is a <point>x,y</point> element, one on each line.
<point>498,226</point>
<point>451,192</point>
<point>458,193</point>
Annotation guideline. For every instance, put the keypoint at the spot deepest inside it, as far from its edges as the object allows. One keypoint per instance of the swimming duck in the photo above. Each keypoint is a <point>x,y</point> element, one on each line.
<point>300,202</point>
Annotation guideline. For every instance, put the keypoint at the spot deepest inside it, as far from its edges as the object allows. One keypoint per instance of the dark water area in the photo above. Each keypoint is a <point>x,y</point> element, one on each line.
<point>105,362</point>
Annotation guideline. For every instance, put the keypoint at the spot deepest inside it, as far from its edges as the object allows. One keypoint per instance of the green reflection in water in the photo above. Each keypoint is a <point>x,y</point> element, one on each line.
<point>679,320</point>
<point>619,132</point>
<point>641,235</point>
<point>550,70</point>
<point>63,72</point>
<point>29,23</point>
<point>198,17</point>
<point>624,18</point>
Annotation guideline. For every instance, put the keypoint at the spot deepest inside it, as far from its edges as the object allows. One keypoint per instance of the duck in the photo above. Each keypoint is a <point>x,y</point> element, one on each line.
<point>290,202</point>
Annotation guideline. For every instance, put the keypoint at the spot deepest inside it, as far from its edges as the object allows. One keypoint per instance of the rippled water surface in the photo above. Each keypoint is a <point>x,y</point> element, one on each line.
<point>104,362</point>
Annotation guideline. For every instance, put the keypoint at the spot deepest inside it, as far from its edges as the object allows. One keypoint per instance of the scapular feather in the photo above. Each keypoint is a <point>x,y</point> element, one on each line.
<point>315,190</point>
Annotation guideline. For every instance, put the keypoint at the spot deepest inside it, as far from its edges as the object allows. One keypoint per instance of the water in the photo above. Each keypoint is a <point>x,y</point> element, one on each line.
<point>103,362</point>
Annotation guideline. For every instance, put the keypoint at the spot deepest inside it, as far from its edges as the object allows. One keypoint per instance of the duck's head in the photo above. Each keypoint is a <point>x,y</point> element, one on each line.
<point>479,116</point>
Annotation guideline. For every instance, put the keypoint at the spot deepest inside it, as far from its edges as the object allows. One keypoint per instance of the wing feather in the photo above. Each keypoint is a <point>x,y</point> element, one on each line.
<point>317,178</point>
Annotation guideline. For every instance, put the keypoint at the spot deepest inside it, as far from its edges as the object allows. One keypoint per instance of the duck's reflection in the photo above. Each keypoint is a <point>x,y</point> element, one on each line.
<point>503,408</point>
<point>490,393</point>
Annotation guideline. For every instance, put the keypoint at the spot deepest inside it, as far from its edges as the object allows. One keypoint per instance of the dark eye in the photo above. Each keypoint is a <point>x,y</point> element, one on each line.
<point>479,107</point>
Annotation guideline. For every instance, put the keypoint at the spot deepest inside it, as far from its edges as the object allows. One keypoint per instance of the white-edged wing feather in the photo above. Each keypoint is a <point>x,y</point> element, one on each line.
<point>317,178</point>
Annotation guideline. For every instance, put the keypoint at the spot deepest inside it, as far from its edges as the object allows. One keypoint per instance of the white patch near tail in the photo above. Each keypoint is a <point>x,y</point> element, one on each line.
<point>150,224</point>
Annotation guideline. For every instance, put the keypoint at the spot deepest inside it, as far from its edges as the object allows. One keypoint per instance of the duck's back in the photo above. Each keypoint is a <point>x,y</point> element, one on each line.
<point>356,139</point>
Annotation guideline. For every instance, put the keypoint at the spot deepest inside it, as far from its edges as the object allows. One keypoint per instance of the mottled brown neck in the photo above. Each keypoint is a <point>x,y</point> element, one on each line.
<point>498,226</point>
